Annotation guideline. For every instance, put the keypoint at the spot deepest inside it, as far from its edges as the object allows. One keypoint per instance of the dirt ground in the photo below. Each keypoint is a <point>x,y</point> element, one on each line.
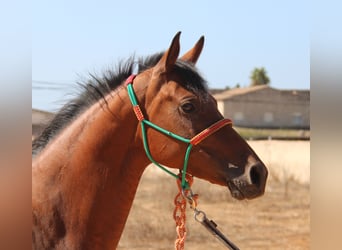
<point>278,220</point>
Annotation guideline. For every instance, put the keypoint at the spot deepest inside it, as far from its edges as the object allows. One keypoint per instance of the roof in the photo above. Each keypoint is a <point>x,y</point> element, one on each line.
<point>40,116</point>
<point>247,90</point>
<point>215,91</point>
<point>239,91</point>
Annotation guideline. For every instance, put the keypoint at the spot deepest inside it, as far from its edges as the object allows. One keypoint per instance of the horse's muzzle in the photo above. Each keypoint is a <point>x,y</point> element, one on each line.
<point>251,184</point>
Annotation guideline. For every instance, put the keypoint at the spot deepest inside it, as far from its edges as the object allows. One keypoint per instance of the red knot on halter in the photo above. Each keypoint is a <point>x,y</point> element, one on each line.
<point>130,79</point>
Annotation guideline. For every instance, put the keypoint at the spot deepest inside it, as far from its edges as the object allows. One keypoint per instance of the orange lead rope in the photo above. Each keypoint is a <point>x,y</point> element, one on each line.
<point>179,214</point>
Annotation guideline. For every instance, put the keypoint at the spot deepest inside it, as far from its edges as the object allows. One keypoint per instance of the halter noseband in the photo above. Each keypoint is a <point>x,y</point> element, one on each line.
<point>191,142</point>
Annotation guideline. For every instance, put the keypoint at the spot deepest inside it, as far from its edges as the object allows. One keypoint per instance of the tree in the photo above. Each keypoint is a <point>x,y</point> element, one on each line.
<point>259,77</point>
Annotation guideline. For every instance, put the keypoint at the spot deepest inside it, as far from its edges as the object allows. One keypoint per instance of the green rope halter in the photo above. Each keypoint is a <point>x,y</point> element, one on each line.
<point>190,142</point>
<point>144,123</point>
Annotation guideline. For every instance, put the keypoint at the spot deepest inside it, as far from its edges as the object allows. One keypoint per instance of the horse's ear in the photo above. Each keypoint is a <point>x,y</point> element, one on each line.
<point>170,56</point>
<point>193,54</point>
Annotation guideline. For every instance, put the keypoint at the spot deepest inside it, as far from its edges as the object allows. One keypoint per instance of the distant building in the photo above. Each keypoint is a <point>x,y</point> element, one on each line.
<point>39,120</point>
<point>266,107</point>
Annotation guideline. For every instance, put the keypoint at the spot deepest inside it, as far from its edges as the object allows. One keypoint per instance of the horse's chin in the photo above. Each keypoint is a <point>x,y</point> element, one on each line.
<point>234,191</point>
<point>240,190</point>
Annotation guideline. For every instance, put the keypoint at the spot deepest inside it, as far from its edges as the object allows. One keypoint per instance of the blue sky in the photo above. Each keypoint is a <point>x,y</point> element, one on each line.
<point>72,38</point>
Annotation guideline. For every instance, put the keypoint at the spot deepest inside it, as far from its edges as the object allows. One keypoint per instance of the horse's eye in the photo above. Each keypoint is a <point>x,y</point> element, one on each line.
<point>188,107</point>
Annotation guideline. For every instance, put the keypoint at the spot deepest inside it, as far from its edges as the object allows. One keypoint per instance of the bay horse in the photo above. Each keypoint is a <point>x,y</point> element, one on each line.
<point>87,163</point>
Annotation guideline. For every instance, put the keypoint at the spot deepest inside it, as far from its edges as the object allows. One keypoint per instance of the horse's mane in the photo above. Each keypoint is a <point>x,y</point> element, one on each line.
<point>97,88</point>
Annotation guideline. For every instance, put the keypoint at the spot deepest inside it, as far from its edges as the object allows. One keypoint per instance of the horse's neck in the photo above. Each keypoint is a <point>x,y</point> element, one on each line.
<point>85,181</point>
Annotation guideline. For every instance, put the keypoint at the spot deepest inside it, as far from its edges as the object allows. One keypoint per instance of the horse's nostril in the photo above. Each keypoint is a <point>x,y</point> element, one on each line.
<point>251,183</point>
<point>255,175</point>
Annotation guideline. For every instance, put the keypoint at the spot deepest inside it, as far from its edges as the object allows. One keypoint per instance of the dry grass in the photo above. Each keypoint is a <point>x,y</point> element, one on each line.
<point>278,220</point>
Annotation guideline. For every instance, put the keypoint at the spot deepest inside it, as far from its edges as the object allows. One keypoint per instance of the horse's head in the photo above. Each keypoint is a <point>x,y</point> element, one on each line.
<point>176,99</point>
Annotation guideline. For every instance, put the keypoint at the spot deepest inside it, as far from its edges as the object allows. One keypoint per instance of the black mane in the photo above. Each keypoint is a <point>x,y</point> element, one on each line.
<point>97,88</point>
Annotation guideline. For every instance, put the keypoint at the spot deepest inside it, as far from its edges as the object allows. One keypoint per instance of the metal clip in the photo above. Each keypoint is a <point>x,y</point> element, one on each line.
<point>212,228</point>
<point>191,197</point>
